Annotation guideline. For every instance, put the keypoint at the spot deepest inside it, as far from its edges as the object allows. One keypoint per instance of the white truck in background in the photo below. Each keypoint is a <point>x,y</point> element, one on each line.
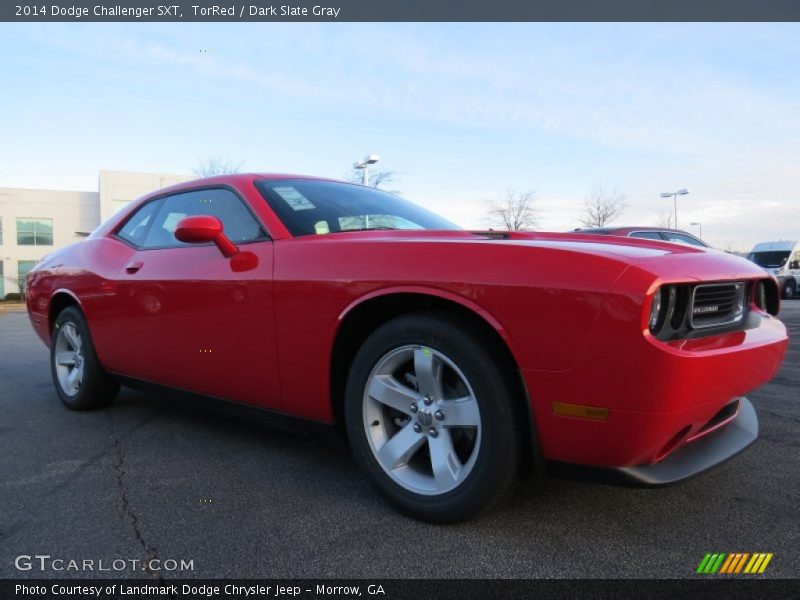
<point>781,260</point>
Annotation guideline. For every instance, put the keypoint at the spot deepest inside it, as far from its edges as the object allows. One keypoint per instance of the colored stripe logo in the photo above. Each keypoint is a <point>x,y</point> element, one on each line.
<point>733,563</point>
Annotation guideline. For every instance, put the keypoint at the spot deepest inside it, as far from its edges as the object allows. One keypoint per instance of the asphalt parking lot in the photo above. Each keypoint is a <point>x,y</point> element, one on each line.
<point>153,478</point>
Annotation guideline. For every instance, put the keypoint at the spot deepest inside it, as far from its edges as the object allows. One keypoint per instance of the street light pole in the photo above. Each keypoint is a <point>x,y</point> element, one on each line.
<point>699,227</point>
<point>674,207</point>
<point>368,160</point>
<point>674,195</point>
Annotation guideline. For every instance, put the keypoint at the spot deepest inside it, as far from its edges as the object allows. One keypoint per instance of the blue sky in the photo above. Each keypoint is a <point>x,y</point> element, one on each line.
<point>463,111</point>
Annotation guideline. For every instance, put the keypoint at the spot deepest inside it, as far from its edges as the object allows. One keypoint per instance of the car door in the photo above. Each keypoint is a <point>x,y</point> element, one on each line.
<point>194,319</point>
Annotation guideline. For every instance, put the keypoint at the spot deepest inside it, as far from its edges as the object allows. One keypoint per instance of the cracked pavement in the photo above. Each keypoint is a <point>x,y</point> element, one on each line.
<point>149,477</point>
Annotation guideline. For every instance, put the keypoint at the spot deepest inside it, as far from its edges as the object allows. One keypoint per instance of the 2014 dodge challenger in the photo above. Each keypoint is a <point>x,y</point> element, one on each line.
<point>453,360</point>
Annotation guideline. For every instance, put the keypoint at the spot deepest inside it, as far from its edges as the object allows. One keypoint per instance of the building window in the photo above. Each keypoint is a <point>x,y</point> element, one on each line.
<point>23,268</point>
<point>1,243</point>
<point>35,232</point>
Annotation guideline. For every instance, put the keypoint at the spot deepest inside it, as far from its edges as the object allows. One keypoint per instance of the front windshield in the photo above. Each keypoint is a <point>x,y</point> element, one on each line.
<point>311,206</point>
<point>773,259</point>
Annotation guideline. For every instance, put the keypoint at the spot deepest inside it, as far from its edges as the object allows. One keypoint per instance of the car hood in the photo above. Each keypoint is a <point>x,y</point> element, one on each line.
<point>664,260</point>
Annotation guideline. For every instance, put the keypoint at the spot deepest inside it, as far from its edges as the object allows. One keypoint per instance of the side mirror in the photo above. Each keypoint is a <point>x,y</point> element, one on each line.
<point>202,229</point>
<point>795,264</point>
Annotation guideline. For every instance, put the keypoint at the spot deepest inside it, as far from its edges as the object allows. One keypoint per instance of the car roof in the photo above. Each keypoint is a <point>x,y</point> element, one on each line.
<point>774,246</point>
<point>628,229</point>
<point>600,230</point>
<point>231,177</point>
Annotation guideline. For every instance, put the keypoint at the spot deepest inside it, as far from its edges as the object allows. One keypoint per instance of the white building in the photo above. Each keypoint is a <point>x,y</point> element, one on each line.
<point>36,222</point>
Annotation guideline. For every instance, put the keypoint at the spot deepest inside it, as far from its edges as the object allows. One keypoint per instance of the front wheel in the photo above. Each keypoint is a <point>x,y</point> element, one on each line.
<point>789,289</point>
<point>433,417</point>
<point>80,381</point>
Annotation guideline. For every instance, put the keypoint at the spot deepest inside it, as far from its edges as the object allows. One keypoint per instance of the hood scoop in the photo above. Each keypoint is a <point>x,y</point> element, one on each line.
<point>493,235</point>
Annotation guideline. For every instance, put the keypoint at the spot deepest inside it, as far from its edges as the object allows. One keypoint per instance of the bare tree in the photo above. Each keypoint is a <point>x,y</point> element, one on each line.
<point>514,211</point>
<point>380,179</point>
<point>602,207</point>
<point>375,179</point>
<point>216,165</point>
<point>664,218</point>
<point>19,282</point>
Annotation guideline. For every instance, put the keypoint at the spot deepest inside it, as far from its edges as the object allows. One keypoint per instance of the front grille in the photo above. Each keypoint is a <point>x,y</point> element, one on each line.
<point>716,304</point>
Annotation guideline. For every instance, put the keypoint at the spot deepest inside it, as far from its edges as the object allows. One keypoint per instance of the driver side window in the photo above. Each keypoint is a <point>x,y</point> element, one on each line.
<point>135,229</point>
<point>238,222</point>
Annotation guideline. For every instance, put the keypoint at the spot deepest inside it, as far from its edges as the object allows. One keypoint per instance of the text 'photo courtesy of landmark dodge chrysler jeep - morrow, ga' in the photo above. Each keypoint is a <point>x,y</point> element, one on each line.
<point>454,361</point>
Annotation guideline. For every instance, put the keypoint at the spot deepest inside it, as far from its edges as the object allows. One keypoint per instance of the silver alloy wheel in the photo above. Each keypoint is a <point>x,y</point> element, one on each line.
<point>69,359</point>
<point>422,420</point>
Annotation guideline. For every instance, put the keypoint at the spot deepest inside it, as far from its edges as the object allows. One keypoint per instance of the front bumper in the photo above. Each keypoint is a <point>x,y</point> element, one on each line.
<point>702,454</point>
<point>689,460</point>
<point>659,396</point>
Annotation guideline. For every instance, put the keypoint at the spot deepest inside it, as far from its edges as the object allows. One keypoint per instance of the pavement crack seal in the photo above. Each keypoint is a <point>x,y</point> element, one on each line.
<point>127,510</point>
<point>782,416</point>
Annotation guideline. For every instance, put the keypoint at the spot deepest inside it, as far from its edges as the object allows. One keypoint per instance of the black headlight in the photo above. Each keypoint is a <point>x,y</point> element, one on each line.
<point>760,295</point>
<point>659,308</point>
<point>668,310</point>
<point>766,296</point>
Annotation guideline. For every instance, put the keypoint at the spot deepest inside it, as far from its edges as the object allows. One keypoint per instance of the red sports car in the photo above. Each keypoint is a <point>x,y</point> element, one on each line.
<point>454,360</point>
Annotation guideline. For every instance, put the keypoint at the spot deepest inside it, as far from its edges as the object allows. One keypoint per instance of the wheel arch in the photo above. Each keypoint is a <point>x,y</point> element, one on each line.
<point>60,300</point>
<point>364,315</point>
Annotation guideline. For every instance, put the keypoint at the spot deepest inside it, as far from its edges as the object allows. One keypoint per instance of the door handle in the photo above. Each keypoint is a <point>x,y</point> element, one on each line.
<point>133,266</point>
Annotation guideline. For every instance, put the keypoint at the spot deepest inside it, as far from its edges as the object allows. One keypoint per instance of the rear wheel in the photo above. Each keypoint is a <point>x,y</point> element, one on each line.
<point>80,381</point>
<point>432,417</point>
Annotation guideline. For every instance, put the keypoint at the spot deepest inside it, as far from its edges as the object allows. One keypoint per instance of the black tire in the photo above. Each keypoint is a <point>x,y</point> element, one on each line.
<point>96,389</point>
<point>503,451</point>
<point>788,290</point>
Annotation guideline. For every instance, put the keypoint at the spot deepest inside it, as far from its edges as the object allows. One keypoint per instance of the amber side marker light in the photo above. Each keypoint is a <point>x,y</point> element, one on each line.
<point>578,410</point>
